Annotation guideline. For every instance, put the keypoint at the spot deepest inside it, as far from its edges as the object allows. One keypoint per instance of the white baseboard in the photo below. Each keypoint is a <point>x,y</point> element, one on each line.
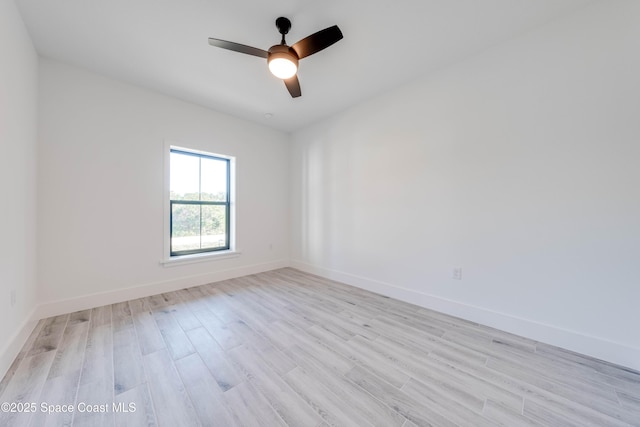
<point>596,347</point>
<point>15,343</point>
<point>55,308</point>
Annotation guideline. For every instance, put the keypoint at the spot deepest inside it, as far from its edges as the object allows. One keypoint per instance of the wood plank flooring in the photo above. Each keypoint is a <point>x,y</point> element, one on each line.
<point>285,348</point>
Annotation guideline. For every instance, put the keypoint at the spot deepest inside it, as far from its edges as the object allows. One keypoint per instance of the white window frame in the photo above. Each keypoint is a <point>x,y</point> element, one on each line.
<point>233,251</point>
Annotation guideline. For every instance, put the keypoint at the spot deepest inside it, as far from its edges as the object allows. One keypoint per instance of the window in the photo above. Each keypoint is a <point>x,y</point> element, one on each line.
<point>199,202</point>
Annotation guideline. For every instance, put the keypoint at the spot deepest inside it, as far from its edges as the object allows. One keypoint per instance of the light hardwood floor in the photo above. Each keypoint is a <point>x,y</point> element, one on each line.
<point>285,348</point>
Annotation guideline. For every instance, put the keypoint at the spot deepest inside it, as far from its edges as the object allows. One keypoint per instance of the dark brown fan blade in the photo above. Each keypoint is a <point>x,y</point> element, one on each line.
<point>293,86</point>
<point>237,47</point>
<point>317,41</point>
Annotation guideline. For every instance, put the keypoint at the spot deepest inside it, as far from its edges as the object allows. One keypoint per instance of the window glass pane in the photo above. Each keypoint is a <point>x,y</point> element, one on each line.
<point>195,181</point>
<point>214,179</point>
<point>214,226</point>
<point>185,231</point>
<point>184,177</point>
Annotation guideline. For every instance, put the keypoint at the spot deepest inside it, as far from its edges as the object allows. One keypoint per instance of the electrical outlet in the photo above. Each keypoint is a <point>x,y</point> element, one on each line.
<point>457,273</point>
<point>13,297</point>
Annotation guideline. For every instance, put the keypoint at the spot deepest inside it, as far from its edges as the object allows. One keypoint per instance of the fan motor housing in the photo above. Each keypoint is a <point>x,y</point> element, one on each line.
<point>282,51</point>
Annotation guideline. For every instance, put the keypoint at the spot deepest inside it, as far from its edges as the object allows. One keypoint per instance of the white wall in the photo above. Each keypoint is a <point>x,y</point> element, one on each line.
<point>519,165</point>
<point>18,142</point>
<point>101,194</point>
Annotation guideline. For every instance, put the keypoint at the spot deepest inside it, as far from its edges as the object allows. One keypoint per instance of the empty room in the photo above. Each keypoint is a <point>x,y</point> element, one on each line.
<point>338,213</point>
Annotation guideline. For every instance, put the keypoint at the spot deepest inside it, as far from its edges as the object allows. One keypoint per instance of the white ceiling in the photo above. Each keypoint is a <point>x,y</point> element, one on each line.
<point>162,45</point>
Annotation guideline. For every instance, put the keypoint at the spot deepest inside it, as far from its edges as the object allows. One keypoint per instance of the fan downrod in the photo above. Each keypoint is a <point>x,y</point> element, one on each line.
<point>284,25</point>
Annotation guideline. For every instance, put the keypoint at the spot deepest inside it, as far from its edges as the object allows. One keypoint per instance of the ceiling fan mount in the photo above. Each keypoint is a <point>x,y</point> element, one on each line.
<point>283,59</point>
<point>284,25</point>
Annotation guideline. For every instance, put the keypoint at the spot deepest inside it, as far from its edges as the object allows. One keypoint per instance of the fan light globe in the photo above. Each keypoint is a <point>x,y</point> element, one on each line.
<point>282,68</point>
<point>283,62</point>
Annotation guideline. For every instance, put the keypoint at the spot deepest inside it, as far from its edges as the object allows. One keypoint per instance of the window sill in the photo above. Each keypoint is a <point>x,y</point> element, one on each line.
<point>190,259</point>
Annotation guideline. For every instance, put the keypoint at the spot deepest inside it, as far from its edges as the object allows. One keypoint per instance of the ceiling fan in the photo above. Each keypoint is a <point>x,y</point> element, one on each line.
<point>283,59</point>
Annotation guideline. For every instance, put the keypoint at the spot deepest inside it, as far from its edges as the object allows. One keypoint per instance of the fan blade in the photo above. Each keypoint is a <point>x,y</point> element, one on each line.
<point>293,86</point>
<point>317,41</point>
<point>237,47</point>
